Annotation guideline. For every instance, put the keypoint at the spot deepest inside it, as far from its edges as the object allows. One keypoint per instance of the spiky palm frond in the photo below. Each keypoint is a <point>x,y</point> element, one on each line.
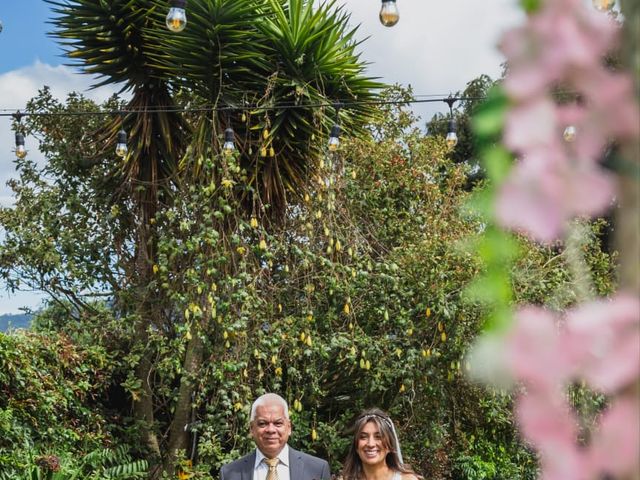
<point>233,52</point>
<point>314,62</point>
<point>219,56</point>
<point>107,39</point>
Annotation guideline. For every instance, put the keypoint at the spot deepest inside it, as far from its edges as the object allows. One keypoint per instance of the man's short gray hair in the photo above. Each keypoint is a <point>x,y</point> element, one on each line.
<point>269,398</point>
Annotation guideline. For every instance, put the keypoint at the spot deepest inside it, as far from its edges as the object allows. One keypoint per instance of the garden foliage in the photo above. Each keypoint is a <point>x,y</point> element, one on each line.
<point>356,298</point>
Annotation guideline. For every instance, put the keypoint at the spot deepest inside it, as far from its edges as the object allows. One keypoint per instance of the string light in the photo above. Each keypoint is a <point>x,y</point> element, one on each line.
<point>20,151</point>
<point>229,146</point>
<point>265,150</point>
<point>334,136</point>
<point>389,14</point>
<point>121,144</point>
<point>177,16</point>
<point>452,136</point>
<point>570,134</point>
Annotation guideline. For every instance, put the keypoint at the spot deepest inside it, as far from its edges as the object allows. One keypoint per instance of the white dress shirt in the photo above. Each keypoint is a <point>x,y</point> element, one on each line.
<point>260,469</point>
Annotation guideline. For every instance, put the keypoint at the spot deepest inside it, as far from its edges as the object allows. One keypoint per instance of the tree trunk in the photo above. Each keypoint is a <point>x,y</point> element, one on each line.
<point>178,435</point>
<point>143,407</point>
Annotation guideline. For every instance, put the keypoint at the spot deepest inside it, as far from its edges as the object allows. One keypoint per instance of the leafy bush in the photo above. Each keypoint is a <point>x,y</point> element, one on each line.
<point>51,414</point>
<point>354,299</point>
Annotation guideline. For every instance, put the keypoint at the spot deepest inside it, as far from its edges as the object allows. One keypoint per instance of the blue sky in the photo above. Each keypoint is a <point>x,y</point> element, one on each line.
<point>437,47</point>
<point>22,42</point>
<point>23,39</point>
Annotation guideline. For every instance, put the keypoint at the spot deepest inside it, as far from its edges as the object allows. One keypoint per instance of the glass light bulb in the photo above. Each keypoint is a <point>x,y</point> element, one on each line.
<point>389,14</point>
<point>176,19</point>
<point>228,148</point>
<point>121,150</point>
<point>334,138</point>
<point>121,145</point>
<point>452,139</point>
<point>569,134</point>
<point>603,5</point>
<point>21,152</point>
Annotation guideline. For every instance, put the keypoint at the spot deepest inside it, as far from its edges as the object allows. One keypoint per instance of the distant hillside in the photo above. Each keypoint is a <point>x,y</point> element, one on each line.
<point>20,320</point>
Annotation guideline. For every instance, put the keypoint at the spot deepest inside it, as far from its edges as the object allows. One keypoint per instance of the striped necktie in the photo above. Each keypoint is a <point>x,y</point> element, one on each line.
<point>272,463</point>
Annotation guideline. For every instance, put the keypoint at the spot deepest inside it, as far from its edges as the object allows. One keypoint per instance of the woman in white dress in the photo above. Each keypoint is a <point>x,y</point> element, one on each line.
<point>375,451</point>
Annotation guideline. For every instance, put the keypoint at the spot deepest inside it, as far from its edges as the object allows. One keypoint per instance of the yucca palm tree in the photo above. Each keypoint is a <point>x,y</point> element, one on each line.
<point>235,65</point>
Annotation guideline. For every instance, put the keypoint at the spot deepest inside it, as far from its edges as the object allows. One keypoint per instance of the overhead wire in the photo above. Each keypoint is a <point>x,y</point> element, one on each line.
<point>239,108</point>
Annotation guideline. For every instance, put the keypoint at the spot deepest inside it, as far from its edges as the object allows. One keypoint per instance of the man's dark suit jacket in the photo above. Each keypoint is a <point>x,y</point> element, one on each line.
<point>301,467</point>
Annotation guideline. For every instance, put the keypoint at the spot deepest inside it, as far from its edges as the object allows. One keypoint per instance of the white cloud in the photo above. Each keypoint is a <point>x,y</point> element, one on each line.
<point>17,87</point>
<point>436,47</point>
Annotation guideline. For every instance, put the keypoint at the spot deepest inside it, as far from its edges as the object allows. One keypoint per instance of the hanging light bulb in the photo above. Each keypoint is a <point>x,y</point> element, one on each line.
<point>570,133</point>
<point>229,145</point>
<point>389,14</point>
<point>452,136</point>
<point>121,145</point>
<point>21,152</point>
<point>603,5</point>
<point>177,16</point>
<point>334,138</point>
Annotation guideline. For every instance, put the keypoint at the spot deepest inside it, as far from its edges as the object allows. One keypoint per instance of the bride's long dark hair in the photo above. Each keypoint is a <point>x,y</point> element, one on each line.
<point>353,465</point>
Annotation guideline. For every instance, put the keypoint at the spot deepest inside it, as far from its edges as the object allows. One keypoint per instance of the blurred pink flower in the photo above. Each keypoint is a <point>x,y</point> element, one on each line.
<point>548,424</point>
<point>561,44</point>
<point>547,421</point>
<point>605,342</point>
<point>544,191</point>
<point>530,125</point>
<point>615,446</point>
<point>612,103</point>
<point>598,342</point>
<point>532,349</point>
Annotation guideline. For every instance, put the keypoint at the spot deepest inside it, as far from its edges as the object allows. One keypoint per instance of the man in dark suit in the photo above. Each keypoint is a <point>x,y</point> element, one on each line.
<point>273,459</point>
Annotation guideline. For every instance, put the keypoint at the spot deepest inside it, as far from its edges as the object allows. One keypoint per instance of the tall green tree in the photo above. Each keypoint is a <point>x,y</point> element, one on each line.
<point>233,54</point>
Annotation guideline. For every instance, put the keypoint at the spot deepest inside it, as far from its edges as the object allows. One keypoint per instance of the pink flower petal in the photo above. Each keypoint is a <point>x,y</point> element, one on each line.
<point>532,349</point>
<point>616,445</point>
<point>530,125</point>
<point>606,342</point>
